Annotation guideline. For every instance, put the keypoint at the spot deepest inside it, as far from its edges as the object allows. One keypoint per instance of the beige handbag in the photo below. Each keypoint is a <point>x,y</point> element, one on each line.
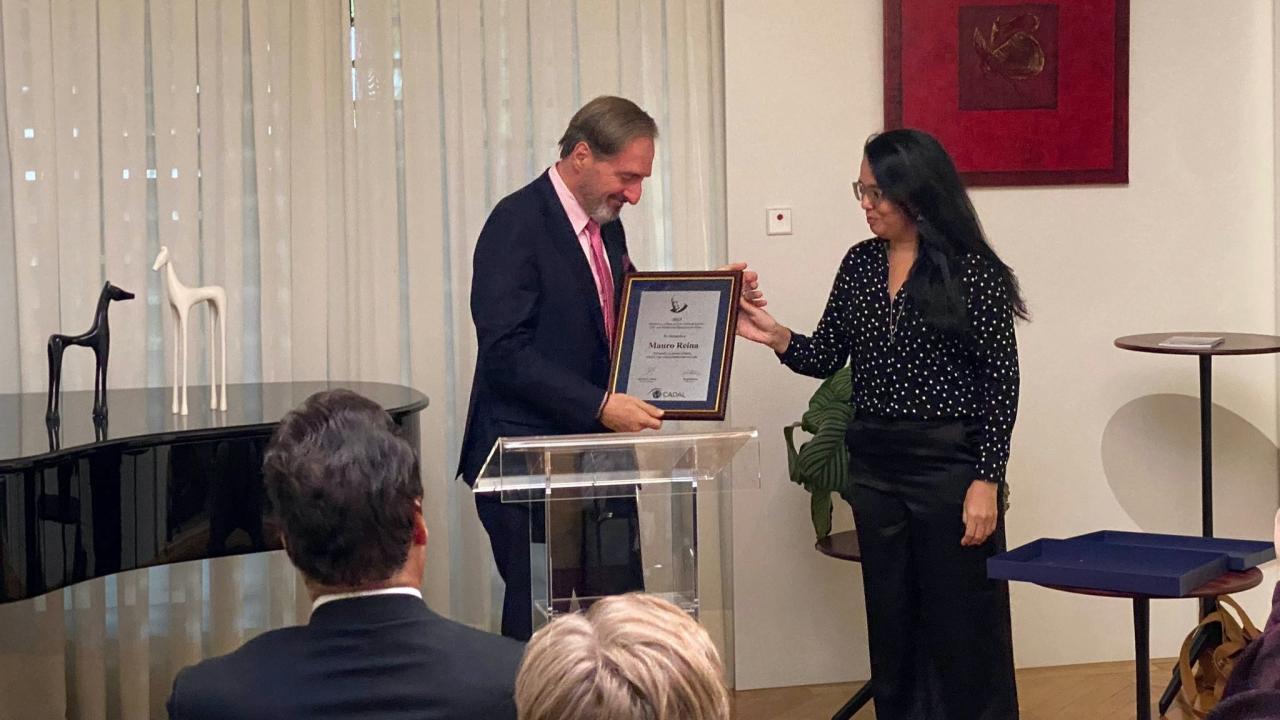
<point>1202,687</point>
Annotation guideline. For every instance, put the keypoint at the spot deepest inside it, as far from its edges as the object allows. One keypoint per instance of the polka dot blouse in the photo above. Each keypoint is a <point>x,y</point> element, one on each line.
<point>904,368</point>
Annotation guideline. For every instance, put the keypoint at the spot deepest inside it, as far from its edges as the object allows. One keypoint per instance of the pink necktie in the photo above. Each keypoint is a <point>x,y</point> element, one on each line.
<point>604,280</point>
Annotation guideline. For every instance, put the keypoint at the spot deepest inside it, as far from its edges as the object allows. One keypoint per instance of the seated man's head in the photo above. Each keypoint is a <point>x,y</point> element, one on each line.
<point>629,656</point>
<point>345,488</point>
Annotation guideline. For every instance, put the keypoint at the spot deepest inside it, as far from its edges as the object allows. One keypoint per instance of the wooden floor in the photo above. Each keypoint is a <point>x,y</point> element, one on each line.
<point>1099,691</point>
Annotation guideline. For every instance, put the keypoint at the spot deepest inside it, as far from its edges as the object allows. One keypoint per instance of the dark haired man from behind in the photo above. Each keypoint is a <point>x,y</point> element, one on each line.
<point>345,486</point>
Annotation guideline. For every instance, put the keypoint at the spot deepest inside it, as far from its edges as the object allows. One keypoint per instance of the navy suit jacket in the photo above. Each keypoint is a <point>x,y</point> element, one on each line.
<point>385,656</point>
<point>543,360</point>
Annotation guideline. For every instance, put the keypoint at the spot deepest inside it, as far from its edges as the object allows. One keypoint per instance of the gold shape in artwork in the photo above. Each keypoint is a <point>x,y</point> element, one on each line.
<point>1011,51</point>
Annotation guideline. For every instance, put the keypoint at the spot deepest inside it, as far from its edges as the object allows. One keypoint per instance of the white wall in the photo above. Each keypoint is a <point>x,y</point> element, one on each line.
<point>1105,438</point>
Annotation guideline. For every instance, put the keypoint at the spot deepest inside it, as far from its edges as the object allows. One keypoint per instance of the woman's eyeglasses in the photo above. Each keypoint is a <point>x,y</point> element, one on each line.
<point>872,193</point>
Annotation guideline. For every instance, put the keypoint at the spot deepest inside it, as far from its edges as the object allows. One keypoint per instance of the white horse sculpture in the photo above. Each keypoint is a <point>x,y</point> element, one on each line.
<point>181,300</point>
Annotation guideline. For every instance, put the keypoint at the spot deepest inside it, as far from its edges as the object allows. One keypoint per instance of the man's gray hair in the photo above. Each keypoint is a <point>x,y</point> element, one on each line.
<point>606,125</point>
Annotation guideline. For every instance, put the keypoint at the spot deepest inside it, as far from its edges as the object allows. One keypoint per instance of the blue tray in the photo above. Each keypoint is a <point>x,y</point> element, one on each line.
<point>1087,563</point>
<point>1241,554</point>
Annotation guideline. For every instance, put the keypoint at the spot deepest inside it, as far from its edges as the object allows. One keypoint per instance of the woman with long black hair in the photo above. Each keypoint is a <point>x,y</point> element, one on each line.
<point>925,312</point>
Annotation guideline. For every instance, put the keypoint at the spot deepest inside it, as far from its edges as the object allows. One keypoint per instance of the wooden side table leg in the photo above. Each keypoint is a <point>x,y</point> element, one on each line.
<point>1142,654</point>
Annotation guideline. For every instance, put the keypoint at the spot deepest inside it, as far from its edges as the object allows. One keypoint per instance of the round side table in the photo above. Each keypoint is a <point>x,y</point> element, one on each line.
<point>1232,344</point>
<point>1226,584</point>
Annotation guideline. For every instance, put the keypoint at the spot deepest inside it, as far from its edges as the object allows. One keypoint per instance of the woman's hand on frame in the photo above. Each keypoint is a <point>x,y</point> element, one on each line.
<point>750,283</point>
<point>757,325</point>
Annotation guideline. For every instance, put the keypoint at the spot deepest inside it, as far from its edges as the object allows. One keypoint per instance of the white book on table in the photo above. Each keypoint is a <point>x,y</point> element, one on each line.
<point>1192,342</point>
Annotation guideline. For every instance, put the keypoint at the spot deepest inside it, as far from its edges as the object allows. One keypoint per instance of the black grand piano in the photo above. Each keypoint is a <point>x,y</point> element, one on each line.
<point>80,501</point>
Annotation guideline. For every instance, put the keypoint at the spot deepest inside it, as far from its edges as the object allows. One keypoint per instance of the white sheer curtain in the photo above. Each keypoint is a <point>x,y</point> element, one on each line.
<point>329,162</point>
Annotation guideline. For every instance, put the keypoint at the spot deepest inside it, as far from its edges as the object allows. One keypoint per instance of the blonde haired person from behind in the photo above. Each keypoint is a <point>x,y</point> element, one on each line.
<point>630,657</point>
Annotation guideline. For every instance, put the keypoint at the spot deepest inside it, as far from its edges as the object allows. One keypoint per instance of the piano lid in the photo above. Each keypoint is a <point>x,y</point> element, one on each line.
<point>142,417</point>
<point>150,487</point>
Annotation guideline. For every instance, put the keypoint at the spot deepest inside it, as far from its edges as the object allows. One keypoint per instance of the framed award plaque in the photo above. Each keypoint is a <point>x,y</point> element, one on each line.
<point>674,345</point>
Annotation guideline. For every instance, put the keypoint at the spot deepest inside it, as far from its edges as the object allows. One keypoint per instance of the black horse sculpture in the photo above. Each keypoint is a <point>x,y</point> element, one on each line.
<point>98,338</point>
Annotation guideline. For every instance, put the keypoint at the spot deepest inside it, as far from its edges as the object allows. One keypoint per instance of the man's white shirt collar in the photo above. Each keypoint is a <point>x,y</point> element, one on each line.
<point>365,593</point>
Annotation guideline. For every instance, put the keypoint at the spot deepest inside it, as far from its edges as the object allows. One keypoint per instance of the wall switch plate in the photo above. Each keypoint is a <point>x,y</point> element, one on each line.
<point>778,221</point>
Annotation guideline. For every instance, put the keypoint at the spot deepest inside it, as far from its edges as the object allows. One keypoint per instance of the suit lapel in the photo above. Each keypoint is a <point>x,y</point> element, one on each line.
<point>566,242</point>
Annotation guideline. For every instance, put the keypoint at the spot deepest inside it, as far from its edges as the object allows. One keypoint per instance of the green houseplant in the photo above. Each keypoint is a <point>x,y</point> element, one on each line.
<point>821,465</point>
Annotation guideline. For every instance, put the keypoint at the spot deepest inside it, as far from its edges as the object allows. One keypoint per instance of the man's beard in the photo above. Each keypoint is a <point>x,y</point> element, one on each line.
<point>603,213</point>
<point>598,207</point>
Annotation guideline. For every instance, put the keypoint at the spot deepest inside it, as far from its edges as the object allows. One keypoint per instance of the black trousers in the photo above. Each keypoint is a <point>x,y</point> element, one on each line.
<point>604,560</point>
<point>939,630</point>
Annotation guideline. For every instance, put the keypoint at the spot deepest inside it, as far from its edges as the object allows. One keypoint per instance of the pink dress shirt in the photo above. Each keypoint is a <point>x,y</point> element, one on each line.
<point>578,221</point>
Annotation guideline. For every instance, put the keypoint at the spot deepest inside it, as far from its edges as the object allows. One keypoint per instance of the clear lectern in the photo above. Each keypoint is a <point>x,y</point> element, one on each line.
<point>644,511</point>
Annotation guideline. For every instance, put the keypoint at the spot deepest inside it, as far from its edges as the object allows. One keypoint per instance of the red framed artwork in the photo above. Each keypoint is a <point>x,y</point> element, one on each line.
<point>1019,93</point>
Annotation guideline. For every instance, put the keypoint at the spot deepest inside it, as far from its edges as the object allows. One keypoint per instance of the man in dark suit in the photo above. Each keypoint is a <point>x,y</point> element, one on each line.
<point>346,488</point>
<point>546,283</point>
<point>546,280</point>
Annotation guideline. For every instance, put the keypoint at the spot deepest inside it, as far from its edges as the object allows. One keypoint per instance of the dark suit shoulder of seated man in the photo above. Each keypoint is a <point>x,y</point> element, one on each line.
<point>346,488</point>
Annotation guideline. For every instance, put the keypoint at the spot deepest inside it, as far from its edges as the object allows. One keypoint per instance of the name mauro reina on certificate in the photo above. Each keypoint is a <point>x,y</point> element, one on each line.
<point>676,338</point>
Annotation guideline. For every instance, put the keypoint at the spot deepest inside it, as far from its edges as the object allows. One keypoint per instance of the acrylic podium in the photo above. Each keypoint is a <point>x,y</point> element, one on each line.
<point>664,495</point>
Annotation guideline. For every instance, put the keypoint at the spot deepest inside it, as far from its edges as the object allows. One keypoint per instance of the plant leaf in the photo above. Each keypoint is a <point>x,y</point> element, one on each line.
<point>837,389</point>
<point>820,419</point>
<point>820,512</point>
<point>821,465</point>
<point>823,462</point>
<point>788,434</point>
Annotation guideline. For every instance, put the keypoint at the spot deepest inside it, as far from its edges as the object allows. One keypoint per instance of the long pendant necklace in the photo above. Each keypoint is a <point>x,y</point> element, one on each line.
<point>895,300</point>
<point>894,318</point>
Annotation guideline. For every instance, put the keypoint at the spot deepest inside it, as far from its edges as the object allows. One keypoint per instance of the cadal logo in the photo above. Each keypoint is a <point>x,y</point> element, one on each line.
<point>660,394</point>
